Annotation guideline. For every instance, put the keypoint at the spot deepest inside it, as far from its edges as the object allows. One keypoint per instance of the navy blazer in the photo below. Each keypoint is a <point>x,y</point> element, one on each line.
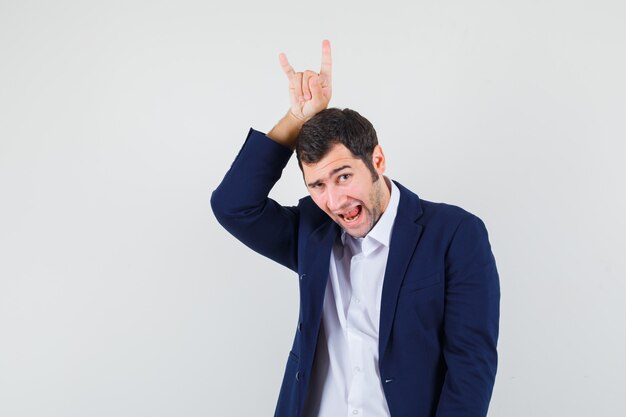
<point>440,301</point>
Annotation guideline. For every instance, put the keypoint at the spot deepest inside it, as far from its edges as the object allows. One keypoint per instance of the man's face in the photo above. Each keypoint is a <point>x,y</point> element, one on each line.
<point>342,186</point>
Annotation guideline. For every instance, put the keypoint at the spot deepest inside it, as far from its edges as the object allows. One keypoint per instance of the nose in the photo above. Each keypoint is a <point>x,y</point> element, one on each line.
<point>335,199</point>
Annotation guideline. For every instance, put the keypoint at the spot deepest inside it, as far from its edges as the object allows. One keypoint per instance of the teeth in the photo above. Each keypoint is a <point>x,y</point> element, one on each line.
<point>353,218</point>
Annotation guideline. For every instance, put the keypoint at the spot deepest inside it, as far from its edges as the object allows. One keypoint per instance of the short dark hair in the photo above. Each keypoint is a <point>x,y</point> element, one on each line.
<point>332,126</point>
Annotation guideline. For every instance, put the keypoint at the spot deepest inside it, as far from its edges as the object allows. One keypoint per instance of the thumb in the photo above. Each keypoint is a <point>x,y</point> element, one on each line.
<point>316,88</point>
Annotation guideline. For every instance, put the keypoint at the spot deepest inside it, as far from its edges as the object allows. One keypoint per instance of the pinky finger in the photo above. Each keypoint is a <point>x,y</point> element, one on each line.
<point>284,63</point>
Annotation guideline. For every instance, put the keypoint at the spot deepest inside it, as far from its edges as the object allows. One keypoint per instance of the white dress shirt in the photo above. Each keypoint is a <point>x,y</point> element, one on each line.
<point>345,381</point>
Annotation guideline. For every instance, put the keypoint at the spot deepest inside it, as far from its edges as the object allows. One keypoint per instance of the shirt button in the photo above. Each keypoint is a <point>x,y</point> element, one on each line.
<point>356,300</point>
<point>357,369</point>
<point>355,411</point>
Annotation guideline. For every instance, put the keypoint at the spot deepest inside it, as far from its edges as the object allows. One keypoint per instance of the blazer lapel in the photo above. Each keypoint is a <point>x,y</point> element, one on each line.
<point>313,280</point>
<point>406,233</point>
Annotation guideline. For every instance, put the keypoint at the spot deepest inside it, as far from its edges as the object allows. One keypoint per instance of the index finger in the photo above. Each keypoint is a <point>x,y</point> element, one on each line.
<point>284,63</point>
<point>327,61</point>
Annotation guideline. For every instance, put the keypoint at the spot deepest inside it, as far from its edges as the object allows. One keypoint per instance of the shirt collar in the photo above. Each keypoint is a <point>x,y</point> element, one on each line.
<point>380,235</point>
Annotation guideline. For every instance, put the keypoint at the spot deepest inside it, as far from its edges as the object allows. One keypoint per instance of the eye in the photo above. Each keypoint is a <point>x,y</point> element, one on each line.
<point>344,177</point>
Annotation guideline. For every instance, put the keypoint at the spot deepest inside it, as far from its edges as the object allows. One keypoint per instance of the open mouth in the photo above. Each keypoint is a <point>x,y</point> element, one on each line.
<point>352,215</point>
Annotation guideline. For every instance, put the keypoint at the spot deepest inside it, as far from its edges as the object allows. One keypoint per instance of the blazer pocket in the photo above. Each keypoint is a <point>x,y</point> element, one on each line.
<point>413,283</point>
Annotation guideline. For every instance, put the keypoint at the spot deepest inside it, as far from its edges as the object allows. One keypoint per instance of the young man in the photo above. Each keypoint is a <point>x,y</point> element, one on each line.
<point>399,297</point>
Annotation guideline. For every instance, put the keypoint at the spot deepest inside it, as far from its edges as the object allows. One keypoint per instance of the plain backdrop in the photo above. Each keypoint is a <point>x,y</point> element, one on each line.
<point>120,295</point>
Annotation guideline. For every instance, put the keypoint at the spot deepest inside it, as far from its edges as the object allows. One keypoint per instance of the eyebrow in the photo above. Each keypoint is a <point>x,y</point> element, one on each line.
<point>333,172</point>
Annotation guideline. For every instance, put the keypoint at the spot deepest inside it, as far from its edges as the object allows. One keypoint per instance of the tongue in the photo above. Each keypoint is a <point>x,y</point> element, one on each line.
<point>352,212</point>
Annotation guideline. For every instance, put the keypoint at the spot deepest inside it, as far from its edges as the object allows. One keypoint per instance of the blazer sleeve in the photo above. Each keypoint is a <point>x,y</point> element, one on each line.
<point>242,206</point>
<point>471,316</point>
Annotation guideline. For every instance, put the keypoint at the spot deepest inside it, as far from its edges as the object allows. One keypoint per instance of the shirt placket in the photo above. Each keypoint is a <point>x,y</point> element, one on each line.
<point>355,337</point>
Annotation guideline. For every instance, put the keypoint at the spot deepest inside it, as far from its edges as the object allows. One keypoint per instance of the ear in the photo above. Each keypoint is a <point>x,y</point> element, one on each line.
<point>378,159</point>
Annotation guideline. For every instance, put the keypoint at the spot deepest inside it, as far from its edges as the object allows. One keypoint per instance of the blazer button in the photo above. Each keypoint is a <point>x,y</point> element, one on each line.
<point>298,376</point>
<point>302,276</point>
<point>300,327</point>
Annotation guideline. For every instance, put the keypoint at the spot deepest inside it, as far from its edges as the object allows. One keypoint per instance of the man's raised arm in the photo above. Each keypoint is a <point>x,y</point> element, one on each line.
<point>241,203</point>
